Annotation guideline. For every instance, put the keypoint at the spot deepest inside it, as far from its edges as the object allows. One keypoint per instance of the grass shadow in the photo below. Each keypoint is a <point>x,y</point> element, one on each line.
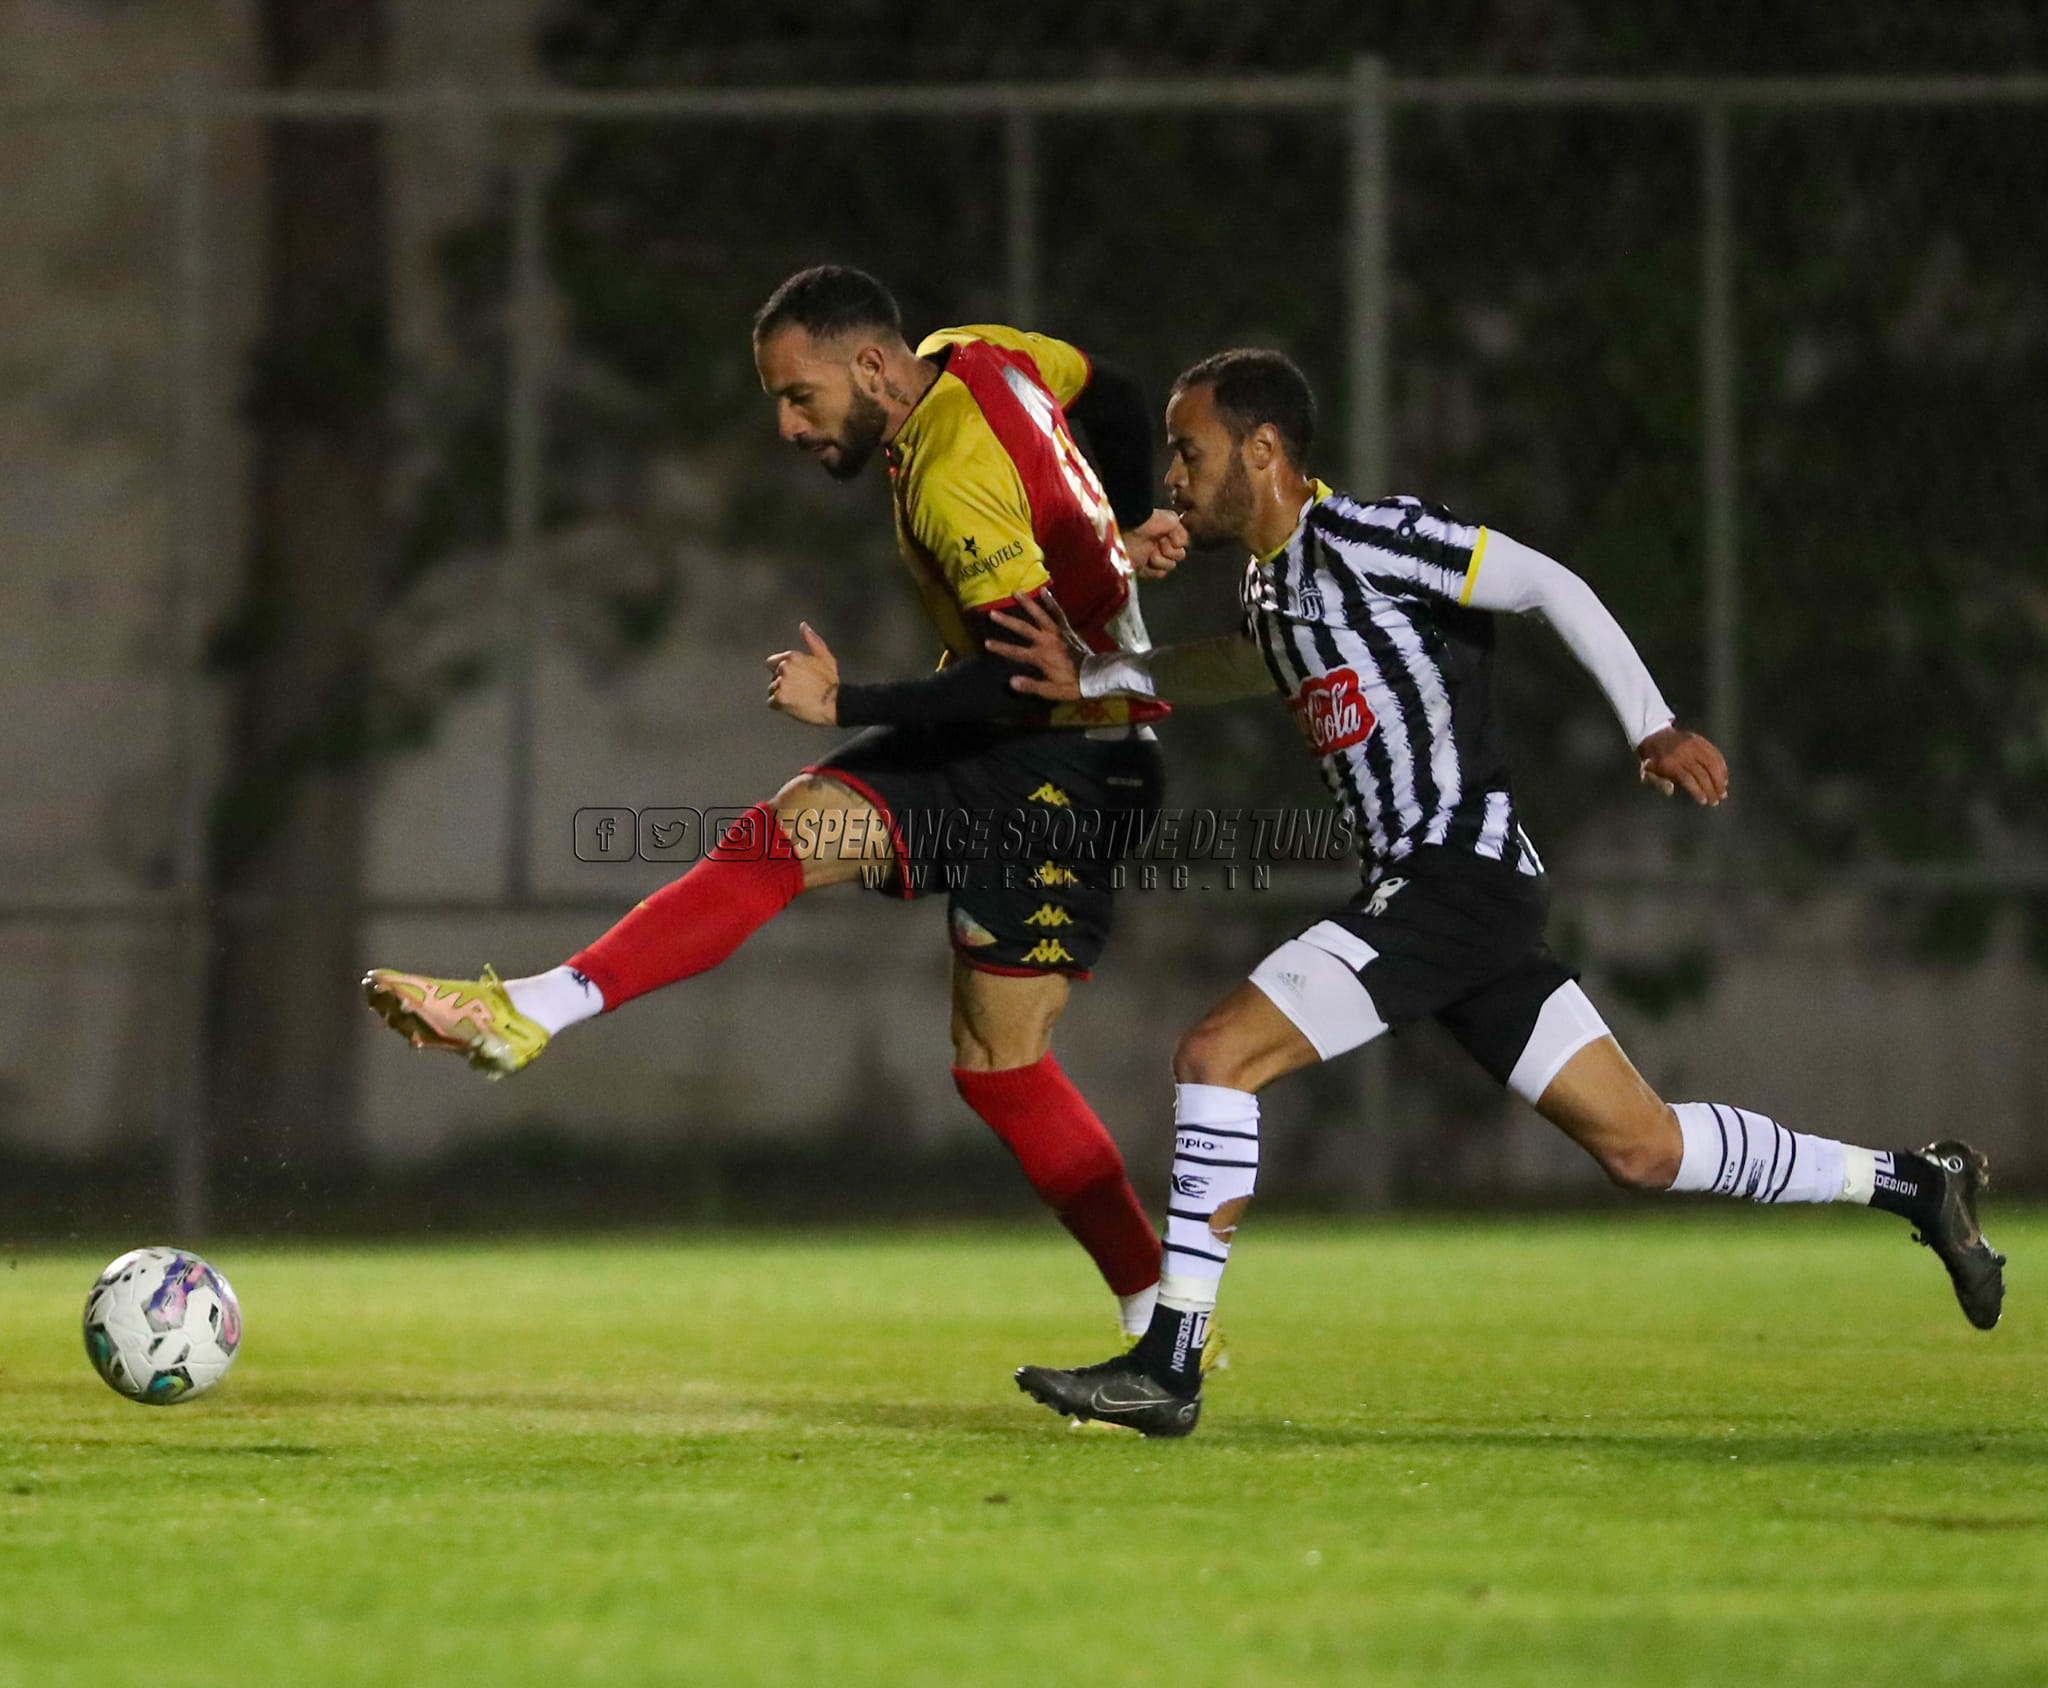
<point>1835,1447</point>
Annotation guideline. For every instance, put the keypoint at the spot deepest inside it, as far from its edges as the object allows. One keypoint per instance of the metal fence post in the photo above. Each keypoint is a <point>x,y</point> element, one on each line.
<point>1020,159</point>
<point>1366,291</point>
<point>1720,464</point>
<point>526,332</point>
<point>190,543</point>
<point>1369,466</point>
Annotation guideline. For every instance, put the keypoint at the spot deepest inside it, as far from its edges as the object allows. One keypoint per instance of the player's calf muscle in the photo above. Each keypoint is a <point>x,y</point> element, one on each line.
<point>1643,1163</point>
<point>1605,1106</point>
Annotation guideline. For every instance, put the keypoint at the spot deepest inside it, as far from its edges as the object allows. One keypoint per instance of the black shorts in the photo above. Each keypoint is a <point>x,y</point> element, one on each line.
<point>1021,830</point>
<point>1446,936</point>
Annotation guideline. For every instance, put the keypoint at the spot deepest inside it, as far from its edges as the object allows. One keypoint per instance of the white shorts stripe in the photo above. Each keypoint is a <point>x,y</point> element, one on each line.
<point>1346,945</point>
<point>1564,1026</point>
<point>1320,994</point>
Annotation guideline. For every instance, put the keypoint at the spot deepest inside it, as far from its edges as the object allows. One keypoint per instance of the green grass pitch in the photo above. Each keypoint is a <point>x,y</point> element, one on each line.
<point>1690,1449</point>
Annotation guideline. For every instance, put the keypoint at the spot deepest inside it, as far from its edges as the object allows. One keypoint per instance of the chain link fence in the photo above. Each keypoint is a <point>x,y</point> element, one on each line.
<point>1759,358</point>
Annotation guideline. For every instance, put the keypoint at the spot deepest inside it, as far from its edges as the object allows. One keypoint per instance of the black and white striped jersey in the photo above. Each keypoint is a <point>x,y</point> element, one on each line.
<point>1365,621</point>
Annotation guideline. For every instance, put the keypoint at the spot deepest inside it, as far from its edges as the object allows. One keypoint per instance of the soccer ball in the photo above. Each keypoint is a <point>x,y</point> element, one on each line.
<point>161,1325</point>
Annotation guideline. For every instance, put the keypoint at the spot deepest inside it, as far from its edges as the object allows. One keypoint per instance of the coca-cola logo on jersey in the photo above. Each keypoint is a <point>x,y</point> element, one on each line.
<point>1332,713</point>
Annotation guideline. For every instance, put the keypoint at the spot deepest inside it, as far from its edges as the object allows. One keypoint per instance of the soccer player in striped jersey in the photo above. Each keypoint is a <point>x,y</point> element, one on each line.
<point>994,504</point>
<point>1375,622</point>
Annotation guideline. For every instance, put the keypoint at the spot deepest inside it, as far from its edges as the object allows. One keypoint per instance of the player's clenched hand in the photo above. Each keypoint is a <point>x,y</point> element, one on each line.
<point>1042,643</point>
<point>805,683</point>
<point>1156,545</point>
<point>1674,757</point>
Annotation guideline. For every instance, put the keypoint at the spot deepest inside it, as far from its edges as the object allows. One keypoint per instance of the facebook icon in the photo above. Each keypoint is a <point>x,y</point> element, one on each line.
<point>606,835</point>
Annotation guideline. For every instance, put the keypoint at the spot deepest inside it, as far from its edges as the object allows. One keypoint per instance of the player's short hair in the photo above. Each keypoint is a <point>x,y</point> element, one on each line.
<point>829,300</point>
<point>1253,387</point>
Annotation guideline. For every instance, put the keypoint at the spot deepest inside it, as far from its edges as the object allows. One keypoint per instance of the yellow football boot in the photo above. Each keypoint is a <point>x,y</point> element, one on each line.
<point>472,1017</point>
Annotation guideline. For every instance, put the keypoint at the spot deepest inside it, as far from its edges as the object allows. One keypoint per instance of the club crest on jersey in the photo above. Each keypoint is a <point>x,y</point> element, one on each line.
<point>1332,712</point>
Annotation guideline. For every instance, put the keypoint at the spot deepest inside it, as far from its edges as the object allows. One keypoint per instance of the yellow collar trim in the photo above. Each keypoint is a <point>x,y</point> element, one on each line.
<point>1317,492</point>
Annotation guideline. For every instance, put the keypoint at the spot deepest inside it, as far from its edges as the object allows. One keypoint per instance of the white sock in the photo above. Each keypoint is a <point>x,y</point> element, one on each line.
<point>1215,1160</point>
<point>554,999</point>
<point>1733,1152</point>
<point>1134,1312</point>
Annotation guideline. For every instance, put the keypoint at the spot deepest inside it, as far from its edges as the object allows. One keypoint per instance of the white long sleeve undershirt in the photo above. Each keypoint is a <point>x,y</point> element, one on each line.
<point>1508,575</point>
<point>1219,670</point>
<point>1505,575</point>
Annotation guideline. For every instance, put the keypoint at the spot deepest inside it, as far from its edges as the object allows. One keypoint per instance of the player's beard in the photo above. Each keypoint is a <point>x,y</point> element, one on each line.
<point>1229,512</point>
<point>866,422</point>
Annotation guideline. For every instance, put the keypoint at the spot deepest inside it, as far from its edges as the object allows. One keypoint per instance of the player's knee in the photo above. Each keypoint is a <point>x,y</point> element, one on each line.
<point>973,1053</point>
<point>1208,1055</point>
<point>980,1046</point>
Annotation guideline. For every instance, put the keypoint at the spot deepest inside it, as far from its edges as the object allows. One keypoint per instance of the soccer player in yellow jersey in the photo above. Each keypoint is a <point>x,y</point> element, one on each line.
<point>1015,806</point>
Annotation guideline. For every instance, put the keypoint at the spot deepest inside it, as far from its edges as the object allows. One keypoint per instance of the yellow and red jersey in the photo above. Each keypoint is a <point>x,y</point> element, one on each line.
<point>994,502</point>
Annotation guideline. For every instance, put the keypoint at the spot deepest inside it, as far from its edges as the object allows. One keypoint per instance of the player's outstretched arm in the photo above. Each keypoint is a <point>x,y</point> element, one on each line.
<point>1047,656</point>
<point>806,684</point>
<point>1202,671</point>
<point>1507,575</point>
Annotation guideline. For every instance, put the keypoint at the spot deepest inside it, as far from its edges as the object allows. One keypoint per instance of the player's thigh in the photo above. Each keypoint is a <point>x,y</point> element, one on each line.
<point>1244,1043</point>
<point>1003,1020</point>
<point>835,831</point>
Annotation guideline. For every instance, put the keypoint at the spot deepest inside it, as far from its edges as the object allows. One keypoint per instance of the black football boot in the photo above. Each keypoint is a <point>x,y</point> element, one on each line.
<point>1118,1391</point>
<point>1975,1268</point>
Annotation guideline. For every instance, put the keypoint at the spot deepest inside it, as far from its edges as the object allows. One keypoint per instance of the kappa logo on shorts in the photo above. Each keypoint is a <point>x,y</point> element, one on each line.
<point>1047,914</point>
<point>1332,713</point>
<point>1048,952</point>
<point>1050,793</point>
<point>1053,874</point>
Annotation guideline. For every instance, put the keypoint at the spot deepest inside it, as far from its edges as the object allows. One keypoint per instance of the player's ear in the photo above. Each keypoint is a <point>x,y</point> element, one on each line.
<point>1262,448</point>
<point>870,368</point>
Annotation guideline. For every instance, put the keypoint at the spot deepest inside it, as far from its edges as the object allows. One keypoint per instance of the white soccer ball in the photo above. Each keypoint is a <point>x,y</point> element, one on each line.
<point>161,1325</point>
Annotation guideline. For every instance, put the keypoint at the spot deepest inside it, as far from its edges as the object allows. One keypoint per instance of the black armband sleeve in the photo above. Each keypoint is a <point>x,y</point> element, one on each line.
<point>975,690</point>
<point>1112,412</point>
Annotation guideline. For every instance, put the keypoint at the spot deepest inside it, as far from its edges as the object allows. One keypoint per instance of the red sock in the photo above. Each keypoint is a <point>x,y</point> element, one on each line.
<point>746,879</point>
<point>1072,1162</point>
